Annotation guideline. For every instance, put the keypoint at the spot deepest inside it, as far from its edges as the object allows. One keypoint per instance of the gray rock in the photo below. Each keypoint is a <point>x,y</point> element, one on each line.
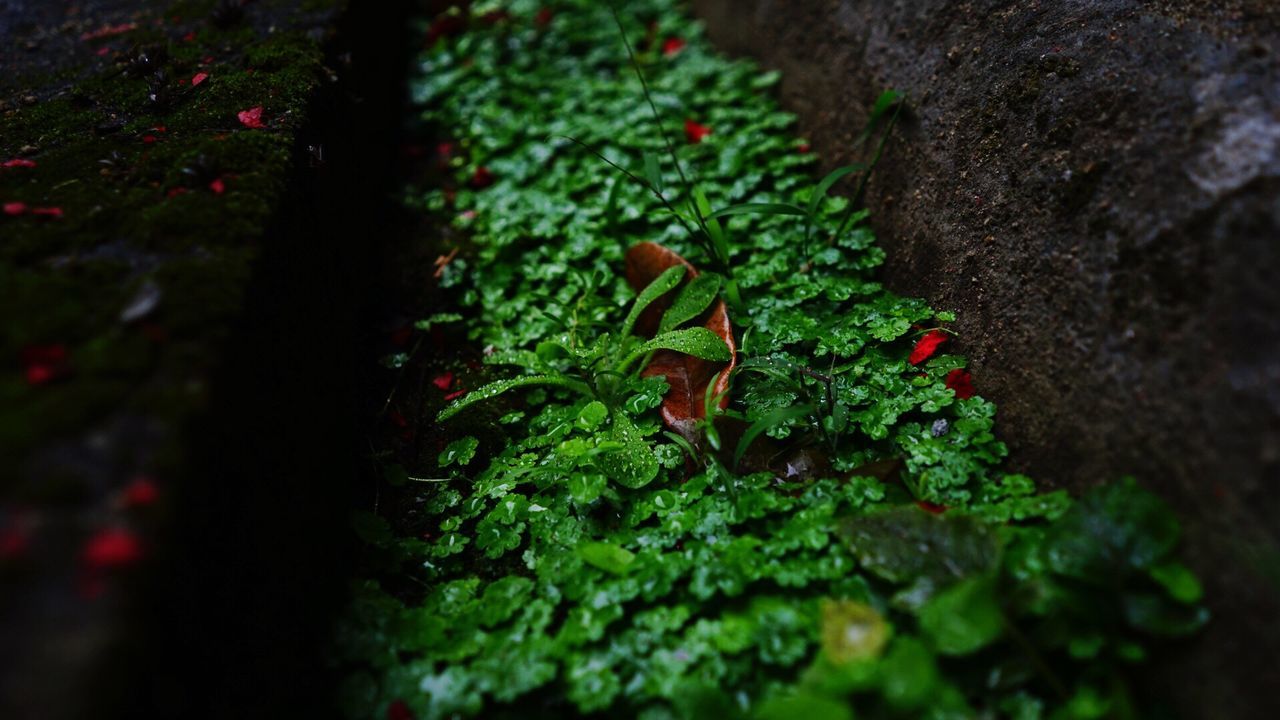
<point>1094,188</point>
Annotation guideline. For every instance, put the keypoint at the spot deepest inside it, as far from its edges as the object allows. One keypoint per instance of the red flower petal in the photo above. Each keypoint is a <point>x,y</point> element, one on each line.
<point>481,178</point>
<point>148,139</point>
<point>13,543</point>
<point>252,118</point>
<point>218,186</point>
<point>50,212</point>
<point>44,363</point>
<point>929,507</point>
<point>695,132</point>
<point>398,419</point>
<point>443,381</point>
<point>112,548</point>
<point>15,208</point>
<point>40,374</point>
<point>44,353</point>
<point>199,78</point>
<point>401,336</point>
<point>927,346</point>
<point>960,381</point>
<point>493,17</point>
<point>544,17</point>
<point>803,149</point>
<point>673,46</point>
<point>455,395</point>
<point>177,191</point>
<point>444,153</point>
<point>398,710</point>
<point>445,26</point>
<point>141,492</point>
<point>109,31</point>
<point>19,163</point>
<point>189,37</point>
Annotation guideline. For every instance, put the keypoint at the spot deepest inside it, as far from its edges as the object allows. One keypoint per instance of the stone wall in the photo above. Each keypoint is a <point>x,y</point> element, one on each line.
<point>1094,188</point>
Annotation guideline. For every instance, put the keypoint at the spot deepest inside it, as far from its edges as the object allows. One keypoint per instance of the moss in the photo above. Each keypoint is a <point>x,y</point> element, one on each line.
<point>133,179</point>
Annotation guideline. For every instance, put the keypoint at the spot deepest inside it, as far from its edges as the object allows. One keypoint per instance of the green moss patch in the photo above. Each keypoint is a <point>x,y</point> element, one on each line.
<point>154,181</point>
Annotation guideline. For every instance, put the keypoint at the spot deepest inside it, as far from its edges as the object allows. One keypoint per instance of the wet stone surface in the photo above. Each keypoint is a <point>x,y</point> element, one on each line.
<point>1094,188</point>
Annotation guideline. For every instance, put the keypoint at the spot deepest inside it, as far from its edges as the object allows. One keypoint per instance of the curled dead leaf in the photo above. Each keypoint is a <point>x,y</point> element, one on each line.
<point>689,377</point>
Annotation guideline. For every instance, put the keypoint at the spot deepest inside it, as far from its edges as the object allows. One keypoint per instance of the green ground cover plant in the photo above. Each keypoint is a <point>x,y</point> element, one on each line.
<point>833,538</point>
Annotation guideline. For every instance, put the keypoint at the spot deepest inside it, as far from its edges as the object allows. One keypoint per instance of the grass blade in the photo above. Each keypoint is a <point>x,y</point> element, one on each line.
<point>773,419</point>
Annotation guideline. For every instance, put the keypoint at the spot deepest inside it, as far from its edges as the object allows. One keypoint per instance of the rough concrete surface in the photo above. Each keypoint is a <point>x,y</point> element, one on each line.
<point>1094,188</point>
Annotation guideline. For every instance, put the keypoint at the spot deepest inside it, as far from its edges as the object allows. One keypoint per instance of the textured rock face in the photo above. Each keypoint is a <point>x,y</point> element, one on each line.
<point>1095,188</point>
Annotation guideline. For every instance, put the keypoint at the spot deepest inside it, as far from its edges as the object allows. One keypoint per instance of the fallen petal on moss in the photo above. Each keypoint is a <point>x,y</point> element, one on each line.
<point>252,118</point>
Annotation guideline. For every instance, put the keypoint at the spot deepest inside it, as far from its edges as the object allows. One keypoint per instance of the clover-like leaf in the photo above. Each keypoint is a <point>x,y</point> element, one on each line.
<point>459,452</point>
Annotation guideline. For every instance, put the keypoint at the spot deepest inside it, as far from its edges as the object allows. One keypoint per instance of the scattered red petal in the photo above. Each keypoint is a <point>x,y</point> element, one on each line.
<point>207,60</point>
<point>112,548</point>
<point>49,212</point>
<point>252,118</point>
<point>160,129</point>
<point>199,78</point>
<point>444,153</point>
<point>178,191</point>
<point>455,395</point>
<point>445,26</point>
<point>14,542</point>
<point>803,149</point>
<point>155,332</point>
<point>44,363</point>
<point>149,139</point>
<point>218,186</point>
<point>140,493</point>
<point>398,710</point>
<point>18,163</point>
<point>398,419</point>
<point>481,178</point>
<point>929,507</point>
<point>927,346</point>
<point>673,46</point>
<point>401,336</point>
<point>104,51</point>
<point>15,208</point>
<point>544,17</point>
<point>443,381</point>
<point>960,381</point>
<point>109,31</point>
<point>695,132</point>
<point>189,37</point>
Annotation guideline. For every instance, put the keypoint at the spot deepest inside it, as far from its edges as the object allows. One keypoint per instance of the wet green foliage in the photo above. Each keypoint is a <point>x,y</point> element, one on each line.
<point>589,563</point>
